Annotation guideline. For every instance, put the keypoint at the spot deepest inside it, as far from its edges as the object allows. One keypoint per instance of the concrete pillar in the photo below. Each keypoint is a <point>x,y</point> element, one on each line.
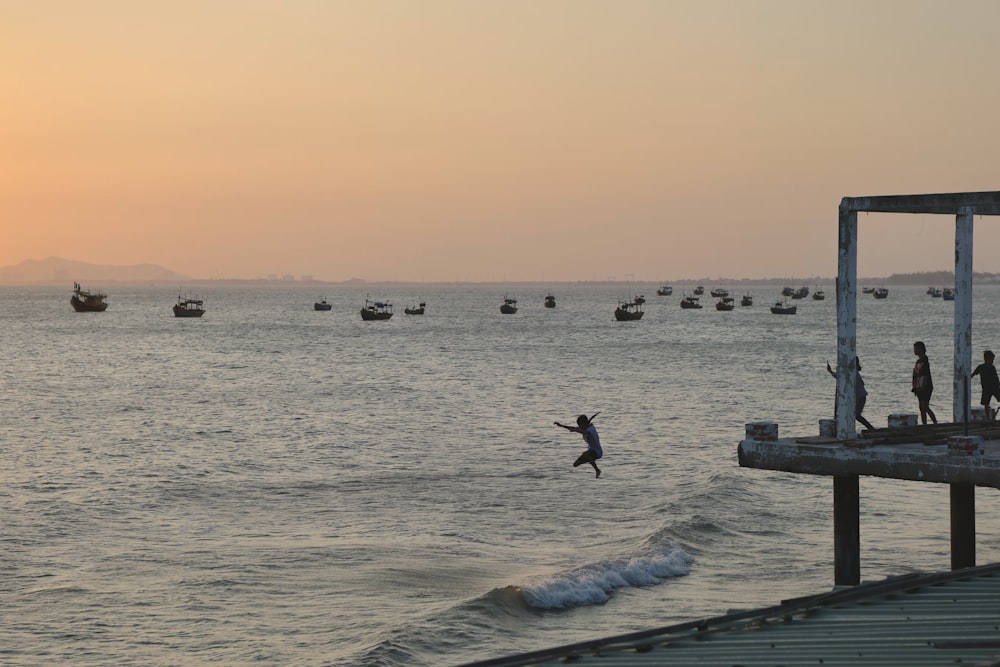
<point>846,530</point>
<point>963,526</point>
<point>847,321</point>
<point>961,390</point>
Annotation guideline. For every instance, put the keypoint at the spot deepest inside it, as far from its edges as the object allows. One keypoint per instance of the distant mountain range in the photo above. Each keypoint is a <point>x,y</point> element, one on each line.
<point>57,271</point>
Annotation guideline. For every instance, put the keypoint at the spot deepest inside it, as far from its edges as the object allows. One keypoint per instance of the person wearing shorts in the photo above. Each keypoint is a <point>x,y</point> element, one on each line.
<point>923,386</point>
<point>987,373</point>
<point>589,432</point>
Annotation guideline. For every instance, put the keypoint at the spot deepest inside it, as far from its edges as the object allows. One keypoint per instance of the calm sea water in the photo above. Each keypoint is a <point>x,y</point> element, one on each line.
<point>274,485</point>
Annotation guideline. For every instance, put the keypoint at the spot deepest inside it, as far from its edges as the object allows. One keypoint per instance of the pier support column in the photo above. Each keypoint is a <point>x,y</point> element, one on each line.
<point>963,316</point>
<point>847,315</point>
<point>847,531</point>
<point>963,526</point>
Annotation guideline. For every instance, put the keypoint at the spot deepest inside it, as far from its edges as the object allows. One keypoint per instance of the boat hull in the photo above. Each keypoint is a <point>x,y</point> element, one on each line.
<point>180,311</point>
<point>368,315</point>
<point>322,306</point>
<point>508,310</point>
<point>82,306</point>
<point>413,311</point>
<point>628,316</point>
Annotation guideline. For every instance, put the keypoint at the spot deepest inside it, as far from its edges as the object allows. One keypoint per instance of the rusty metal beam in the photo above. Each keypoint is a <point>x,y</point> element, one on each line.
<point>981,203</point>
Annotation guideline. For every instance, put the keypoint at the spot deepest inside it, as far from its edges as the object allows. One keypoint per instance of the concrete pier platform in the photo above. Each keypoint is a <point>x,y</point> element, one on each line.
<point>917,453</point>
<point>963,456</point>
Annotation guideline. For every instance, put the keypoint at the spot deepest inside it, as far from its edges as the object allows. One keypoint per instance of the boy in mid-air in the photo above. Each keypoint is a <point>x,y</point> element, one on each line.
<point>594,451</point>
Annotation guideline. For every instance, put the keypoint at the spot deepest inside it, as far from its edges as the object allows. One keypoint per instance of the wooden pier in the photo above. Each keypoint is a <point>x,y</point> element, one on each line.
<point>962,454</point>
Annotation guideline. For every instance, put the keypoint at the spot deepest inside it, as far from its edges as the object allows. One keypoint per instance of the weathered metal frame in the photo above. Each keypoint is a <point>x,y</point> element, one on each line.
<point>964,206</point>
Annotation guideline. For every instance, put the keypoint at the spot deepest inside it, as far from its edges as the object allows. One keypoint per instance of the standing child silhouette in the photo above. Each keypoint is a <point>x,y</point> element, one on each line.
<point>987,373</point>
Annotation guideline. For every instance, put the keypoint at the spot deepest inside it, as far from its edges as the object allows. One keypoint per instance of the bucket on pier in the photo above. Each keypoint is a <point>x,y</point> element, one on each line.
<point>762,431</point>
<point>902,420</point>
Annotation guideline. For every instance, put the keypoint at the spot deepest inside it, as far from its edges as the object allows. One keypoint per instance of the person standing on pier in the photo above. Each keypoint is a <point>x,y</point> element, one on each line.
<point>585,426</point>
<point>987,373</point>
<point>923,387</point>
<point>860,393</point>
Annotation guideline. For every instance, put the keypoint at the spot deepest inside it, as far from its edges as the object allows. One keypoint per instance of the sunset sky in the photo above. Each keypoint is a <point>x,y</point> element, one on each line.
<point>434,140</point>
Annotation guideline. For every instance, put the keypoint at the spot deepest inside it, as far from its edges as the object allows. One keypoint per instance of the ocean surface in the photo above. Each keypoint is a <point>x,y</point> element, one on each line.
<point>270,484</point>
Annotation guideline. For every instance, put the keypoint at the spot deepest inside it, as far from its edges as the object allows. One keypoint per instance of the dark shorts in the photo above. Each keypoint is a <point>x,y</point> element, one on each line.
<point>923,395</point>
<point>587,457</point>
<point>989,394</point>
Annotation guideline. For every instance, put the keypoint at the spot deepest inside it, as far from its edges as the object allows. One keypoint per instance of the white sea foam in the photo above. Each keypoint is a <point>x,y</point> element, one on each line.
<point>593,583</point>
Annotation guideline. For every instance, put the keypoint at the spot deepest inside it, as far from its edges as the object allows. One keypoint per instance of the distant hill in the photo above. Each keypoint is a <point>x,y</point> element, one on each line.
<point>58,271</point>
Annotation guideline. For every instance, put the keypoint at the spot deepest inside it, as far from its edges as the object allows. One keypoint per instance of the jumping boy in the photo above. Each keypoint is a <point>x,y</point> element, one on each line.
<point>594,451</point>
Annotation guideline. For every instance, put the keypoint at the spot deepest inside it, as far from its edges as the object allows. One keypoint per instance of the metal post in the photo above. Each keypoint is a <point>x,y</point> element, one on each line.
<point>963,526</point>
<point>846,530</point>
<point>847,307</point>
<point>963,314</point>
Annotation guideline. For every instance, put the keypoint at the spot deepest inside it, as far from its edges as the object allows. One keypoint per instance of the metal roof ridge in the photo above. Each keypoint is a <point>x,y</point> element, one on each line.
<point>839,595</point>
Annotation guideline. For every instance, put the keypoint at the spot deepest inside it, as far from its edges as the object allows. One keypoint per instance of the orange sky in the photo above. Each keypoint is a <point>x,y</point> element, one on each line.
<point>492,140</point>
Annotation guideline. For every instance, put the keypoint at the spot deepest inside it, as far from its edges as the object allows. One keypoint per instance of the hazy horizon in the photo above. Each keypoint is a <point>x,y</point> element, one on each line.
<point>447,141</point>
<point>54,271</point>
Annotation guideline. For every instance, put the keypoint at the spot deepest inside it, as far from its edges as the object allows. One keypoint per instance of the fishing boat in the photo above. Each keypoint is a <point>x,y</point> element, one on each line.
<point>787,290</point>
<point>725,303</point>
<point>719,292</point>
<point>747,300</point>
<point>935,292</point>
<point>640,299</point>
<point>881,293</point>
<point>376,310</point>
<point>416,310</point>
<point>188,307</point>
<point>819,295</point>
<point>550,301</point>
<point>699,290</point>
<point>88,302</point>
<point>948,294</point>
<point>690,302</point>
<point>665,290</point>
<point>509,306</point>
<point>628,310</point>
<point>800,293</point>
<point>322,305</point>
<point>867,290</point>
<point>782,308</point>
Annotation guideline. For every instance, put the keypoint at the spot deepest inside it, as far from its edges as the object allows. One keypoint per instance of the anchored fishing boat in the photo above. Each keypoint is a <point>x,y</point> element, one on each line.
<point>782,308</point>
<point>509,305</point>
<point>416,310</point>
<point>188,307</point>
<point>88,302</point>
<point>628,311</point>
<point>376,310</point>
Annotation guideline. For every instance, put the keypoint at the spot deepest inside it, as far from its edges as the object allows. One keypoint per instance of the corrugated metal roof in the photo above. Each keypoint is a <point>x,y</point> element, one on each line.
<point>950,618</point>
